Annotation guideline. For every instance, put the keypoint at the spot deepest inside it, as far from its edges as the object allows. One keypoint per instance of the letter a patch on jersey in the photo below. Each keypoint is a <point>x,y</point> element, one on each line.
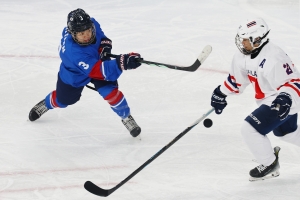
<point>262,63</point>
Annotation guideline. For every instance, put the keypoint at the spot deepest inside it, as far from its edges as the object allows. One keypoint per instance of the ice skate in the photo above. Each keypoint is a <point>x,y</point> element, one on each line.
<point>262,172</point>
<point>38,110</point>
<point>131,126</point>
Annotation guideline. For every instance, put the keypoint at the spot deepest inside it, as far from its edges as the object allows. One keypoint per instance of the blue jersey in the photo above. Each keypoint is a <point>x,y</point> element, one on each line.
<point>79,64</point>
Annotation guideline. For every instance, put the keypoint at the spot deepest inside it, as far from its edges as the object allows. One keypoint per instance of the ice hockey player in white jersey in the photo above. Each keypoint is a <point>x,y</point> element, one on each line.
<point>276,82</point>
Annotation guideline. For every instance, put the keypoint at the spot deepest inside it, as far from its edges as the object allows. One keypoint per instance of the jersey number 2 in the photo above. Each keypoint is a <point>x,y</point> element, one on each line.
<point>287,69</point>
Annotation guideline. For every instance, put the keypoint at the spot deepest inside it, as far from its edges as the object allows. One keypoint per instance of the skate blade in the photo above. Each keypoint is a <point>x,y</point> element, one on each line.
<point>269,176</point>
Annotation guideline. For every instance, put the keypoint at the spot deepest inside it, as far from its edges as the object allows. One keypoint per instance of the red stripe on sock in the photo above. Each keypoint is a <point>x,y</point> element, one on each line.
<point>114,97</point>
<point>53,100</point>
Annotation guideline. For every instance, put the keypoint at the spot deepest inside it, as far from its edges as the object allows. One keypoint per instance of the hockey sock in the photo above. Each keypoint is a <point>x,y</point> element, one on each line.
<point>52,102</point>
<point>118,103</point>
<point>259,145</point>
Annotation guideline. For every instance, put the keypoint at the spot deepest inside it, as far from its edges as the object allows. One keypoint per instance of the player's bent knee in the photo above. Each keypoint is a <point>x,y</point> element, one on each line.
<point>288,126</point>
<point>247,129</point>
<point>249,133</point>
<point>278,132</point>
<point>263,119</point>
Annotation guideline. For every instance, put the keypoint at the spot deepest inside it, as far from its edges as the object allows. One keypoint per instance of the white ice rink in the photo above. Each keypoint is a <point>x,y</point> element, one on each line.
<point>51,159</point>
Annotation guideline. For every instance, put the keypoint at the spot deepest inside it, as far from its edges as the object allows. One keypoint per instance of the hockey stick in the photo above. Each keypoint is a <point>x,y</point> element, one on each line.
<point>201,58</point>
<point>92,188</point>
<point>90,87</point>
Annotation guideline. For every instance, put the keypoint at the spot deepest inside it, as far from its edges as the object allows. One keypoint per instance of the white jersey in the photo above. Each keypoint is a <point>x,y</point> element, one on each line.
<point>270,73</point>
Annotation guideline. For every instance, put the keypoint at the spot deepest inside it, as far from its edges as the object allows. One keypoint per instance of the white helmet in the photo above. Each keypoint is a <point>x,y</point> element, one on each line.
<point>256,30</point>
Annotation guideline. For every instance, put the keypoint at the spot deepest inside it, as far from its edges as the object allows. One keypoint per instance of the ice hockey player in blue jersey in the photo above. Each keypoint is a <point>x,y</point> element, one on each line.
<point>83,60</point>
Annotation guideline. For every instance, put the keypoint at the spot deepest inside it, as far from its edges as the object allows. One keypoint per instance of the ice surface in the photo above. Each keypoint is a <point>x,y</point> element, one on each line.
<point>51,158</point>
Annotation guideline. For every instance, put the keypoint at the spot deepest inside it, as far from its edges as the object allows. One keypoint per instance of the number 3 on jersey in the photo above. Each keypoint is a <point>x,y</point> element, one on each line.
<point>84,65</point>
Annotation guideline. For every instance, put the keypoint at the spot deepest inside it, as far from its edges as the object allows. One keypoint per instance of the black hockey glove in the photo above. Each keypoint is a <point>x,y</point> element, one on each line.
<point>128,61</point>
<point>105,47</point>
<point>218,100</point>
<point>282,104</point>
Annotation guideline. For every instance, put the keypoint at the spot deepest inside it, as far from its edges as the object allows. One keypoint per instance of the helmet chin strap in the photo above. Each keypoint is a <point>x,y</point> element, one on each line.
<point>259,41</point>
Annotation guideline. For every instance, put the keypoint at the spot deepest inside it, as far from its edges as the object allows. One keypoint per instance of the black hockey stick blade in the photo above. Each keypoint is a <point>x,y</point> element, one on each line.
<point>201,58</point>
<point>94,189</point>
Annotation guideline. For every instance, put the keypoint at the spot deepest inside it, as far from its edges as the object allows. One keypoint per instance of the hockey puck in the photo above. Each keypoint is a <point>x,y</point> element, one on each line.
<point>207,123</point>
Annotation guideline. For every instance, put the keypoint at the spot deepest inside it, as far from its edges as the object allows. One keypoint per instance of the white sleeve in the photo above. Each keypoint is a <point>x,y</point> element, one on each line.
<point>237,80</point>
<point>285,77</point>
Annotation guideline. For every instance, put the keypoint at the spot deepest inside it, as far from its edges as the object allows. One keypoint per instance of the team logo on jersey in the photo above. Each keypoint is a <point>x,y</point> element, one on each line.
<point>84,65</point>
<point>253,23</point>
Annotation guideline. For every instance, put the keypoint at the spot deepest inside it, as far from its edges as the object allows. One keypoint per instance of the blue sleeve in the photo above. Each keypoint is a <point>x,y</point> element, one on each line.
<point>111,70</point>
<point>96,68</point>
<point>105,70</point>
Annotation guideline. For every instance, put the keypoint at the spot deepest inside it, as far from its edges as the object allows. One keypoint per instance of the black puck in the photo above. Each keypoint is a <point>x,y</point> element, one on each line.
<point>207,123</point>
